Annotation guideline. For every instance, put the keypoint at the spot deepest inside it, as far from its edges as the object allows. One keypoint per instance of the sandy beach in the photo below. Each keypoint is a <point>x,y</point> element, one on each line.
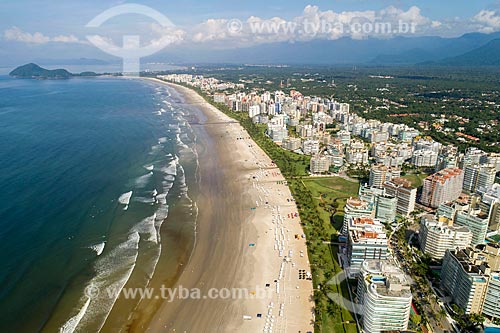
<point>248,236</point>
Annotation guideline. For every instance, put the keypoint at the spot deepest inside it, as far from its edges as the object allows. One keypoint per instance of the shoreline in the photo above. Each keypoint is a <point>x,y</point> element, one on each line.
<point>241,232</point>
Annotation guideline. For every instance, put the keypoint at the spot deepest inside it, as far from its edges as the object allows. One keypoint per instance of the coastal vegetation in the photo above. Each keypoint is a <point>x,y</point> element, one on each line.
<point>320,216</point>
<point>33,71</point>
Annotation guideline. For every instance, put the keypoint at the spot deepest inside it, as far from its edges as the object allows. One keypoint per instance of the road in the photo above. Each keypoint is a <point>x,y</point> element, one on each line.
<point>429,300</point>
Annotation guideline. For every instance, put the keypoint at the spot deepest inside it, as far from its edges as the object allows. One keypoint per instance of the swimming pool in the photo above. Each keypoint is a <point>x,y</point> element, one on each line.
<point>491,330</point>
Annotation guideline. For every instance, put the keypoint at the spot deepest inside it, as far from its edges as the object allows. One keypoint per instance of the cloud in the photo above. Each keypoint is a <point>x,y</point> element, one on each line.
<point>314,23</point>
<point>436,24</point>
<point>18,35</point>
<point>488,21</point>
<point>167,35</point>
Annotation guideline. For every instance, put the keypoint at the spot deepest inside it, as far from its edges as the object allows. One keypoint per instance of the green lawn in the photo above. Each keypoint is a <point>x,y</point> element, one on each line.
<point>416,179</point>
<point>496,238</point>
<point>330,196</point>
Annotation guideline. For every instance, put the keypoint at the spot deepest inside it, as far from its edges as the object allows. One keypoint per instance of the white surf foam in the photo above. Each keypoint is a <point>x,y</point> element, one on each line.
<point>144,200</point>
<point>180,142</point>
<point>170,178</point>
<point>98,248</point>
<point>161,215</point>
<point>171,168</point>
<point>72,323</point>
<point>162,198</point>
<point>124,199</point>
<point>142,181</point>
<point>114,270</point>
<point>167,185</point>
<point>147,228</point>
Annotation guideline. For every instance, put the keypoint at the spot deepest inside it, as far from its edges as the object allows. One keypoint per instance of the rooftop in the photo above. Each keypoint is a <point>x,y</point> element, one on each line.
<point>400,182</point>
<point>445,174</point>
<point>385,279</point>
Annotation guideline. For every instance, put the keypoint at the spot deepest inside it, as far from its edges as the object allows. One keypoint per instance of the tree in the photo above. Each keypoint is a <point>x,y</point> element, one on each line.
<point>416,319</point>
<point>476,319</point>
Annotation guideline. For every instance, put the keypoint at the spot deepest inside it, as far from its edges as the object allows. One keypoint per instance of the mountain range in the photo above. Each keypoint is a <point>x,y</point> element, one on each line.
<point>474,49</point>
<point>460,51</point>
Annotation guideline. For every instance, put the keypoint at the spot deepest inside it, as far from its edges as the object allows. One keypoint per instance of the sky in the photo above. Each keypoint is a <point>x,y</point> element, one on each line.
<point>57,29</point>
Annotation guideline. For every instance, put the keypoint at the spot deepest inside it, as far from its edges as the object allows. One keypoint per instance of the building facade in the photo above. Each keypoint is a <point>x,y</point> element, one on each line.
<point>384,297</point>
<point>404,192</point>
<point>436,237</point>
<point>379,174</point>
<point>476,222</point>
<point>319,164</point>
<point>464,280</point>
<point>367,239</point>
<point>443,186</point>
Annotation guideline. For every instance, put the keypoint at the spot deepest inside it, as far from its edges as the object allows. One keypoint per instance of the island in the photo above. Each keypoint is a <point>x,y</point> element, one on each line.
<point>33,71</point>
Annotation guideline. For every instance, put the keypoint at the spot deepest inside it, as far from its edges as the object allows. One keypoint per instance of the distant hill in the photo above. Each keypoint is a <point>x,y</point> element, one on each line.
<point>487,55</point>
<point>35,71</point>
<point>71,62</point>
<point>405,58</point>
<point>370,51</point>
<point>427,50</point>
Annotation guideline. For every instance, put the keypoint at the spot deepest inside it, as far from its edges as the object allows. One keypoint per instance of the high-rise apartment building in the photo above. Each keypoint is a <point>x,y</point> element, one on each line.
<point>379,174</point>
<point>384,297</point>
<point>443,186</point>
<point>404,192</point>
<point>356,207</point>
<point>437,237</point>
<point>477,177</point>
<point>476,221</point>
<point>367,239</point>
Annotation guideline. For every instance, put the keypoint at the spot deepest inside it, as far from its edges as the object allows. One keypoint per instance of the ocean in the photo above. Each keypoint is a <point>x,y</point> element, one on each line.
<point>98,178</point>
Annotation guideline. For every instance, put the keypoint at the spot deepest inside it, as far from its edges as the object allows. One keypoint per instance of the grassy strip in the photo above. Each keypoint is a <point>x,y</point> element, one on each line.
<point>329,317</point>
<point>416,179</point>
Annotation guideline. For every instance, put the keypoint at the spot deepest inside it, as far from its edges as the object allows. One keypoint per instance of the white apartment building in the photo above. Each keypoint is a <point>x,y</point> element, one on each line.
<point>384,296</point>
<point>437,237</point>
<point>367,239</point>
<point>319,164</point>
<point>379,174</point>
<point>404,192</point>
<point>292,144</point>
<point>476,177</point>
<point>476,221</point>
<point>356,207</point>
<point>424,158</point>
<point>310,147</point>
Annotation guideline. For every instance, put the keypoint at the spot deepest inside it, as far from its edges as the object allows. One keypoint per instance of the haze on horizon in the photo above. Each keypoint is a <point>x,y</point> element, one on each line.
<point>31,32</point>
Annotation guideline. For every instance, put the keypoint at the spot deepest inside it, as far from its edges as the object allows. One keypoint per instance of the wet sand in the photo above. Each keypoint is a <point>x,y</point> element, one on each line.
<point>246,216</point>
